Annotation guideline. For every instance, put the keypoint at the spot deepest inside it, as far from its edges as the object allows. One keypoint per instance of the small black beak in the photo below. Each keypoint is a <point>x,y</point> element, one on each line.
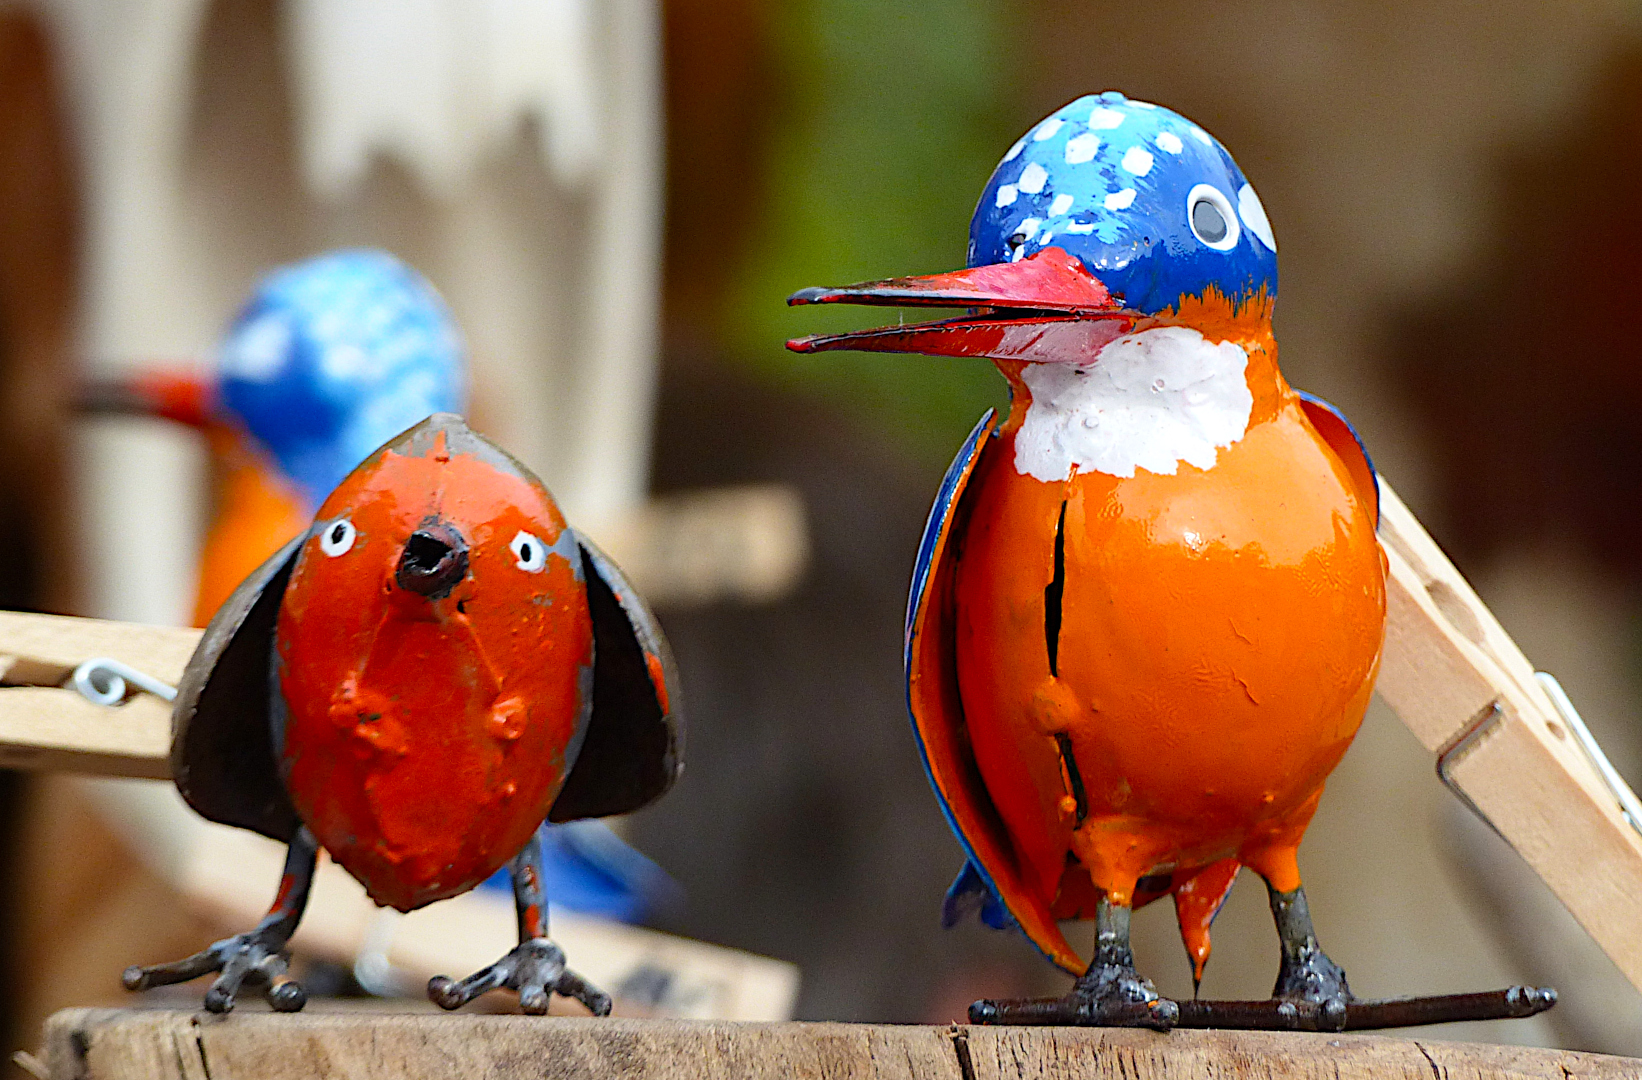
<point>434,560</point>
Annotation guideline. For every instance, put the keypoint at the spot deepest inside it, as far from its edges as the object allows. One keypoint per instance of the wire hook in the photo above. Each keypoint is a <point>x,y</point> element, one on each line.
<point>102,681</point>
<point>1629,808</point>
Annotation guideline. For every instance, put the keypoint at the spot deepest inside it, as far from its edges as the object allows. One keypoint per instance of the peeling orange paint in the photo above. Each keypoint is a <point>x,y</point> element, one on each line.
<point>426,738</point>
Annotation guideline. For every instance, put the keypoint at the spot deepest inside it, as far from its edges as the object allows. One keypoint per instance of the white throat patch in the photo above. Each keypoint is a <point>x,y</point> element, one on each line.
<point>1148,401</point>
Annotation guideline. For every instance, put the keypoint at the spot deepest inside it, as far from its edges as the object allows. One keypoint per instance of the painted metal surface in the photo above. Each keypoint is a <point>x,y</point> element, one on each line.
<point>1154,207</point>
<point>1148,609</point>
<point>331,357</point>
<point>1216,644</point>
<point>413,680</point>
<point>434,655</point>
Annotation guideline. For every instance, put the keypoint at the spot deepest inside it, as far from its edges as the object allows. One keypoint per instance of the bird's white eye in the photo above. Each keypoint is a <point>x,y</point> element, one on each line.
<point>530,552</point>
<point>1212,219</point>
<point>338,537</point>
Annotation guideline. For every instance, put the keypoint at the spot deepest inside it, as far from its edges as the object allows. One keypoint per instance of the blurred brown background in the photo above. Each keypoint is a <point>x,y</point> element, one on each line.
<point>1454,188</point>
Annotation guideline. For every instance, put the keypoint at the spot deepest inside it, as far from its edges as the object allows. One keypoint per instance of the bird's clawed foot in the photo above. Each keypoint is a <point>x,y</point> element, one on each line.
<point>535,969</point>
<point>1310,977</point>
<point>1109,995</point>
<point>255,957</point>
<point>1306,976</point>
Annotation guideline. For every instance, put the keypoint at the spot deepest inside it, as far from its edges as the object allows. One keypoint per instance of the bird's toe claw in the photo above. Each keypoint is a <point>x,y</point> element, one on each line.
<point>535,970</point>
<point>445,992</point>
<point>287,995</point>
<point>253,957</point>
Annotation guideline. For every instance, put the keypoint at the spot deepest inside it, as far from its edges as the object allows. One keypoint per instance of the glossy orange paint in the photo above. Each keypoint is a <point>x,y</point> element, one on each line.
<point>426,738</point>
<point>1197,900</point>
<point>1219,638</point>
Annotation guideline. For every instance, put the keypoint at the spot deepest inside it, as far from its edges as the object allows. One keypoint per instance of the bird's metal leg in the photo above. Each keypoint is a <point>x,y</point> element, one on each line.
<point>535,967</point>
<point>1306,973</point>
<point>256,956</point>
<point>1110,994</point>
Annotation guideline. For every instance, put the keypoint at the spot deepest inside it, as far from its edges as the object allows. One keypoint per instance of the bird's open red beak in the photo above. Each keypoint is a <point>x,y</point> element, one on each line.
<point>1042,308</point>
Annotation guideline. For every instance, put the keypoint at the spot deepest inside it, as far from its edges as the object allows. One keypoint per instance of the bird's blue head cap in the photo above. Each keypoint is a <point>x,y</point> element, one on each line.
<point>1149,203</point>
<point>1108,212</point>
<point>332,357</point>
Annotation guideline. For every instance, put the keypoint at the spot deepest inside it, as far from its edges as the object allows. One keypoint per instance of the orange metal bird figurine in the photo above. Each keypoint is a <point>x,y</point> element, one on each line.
<point>327,360</point>
<point>1148,608</point>
<point>434,670</point>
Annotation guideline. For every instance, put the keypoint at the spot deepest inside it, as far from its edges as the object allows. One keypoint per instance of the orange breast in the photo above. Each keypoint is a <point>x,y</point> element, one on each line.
<point>425,739</point>
<point>1218,636</point>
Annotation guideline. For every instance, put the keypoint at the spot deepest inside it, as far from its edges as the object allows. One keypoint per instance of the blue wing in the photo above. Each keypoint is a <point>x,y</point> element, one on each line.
<point>1343,439</point>
<point>991,881</point>
<point>940,515</point>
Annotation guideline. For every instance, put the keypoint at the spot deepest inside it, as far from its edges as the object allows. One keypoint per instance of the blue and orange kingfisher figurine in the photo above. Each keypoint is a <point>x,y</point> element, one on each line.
<point>1147,611</point>
<point>328,359</point>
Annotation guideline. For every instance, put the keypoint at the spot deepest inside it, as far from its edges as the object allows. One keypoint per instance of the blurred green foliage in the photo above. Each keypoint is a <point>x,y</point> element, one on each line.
<point>894,115</point>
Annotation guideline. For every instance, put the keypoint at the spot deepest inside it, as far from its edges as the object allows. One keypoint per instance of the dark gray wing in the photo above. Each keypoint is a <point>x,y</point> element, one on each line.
<point>222,752</point>
<point>634,747</point>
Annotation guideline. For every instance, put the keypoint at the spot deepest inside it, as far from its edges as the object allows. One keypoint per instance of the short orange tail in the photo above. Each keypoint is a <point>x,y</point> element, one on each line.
<point>1197,901</point>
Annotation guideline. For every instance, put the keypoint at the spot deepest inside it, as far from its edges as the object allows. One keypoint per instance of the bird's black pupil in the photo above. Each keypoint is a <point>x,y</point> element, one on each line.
<point>1208,222</point>
<point>524,552</point>
<point>337,533</point>
<point>1017,240</point>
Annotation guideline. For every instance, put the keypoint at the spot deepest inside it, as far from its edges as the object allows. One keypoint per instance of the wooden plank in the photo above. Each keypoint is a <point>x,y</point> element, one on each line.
<point>1448,665</point>
<point>43,726</point>
<point>127,1044</point>
<point>1126,1054</point>
<point>746,543</point>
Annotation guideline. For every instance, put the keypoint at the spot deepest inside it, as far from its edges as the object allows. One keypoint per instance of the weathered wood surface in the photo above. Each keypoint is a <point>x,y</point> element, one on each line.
<point>1447,664</point>
<point>127,1044</point>
<point>44,726</point>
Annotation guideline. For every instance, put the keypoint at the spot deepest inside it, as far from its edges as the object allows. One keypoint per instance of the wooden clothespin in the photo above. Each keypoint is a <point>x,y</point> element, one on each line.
<point>1507,740</point>
<point>46,723</point>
